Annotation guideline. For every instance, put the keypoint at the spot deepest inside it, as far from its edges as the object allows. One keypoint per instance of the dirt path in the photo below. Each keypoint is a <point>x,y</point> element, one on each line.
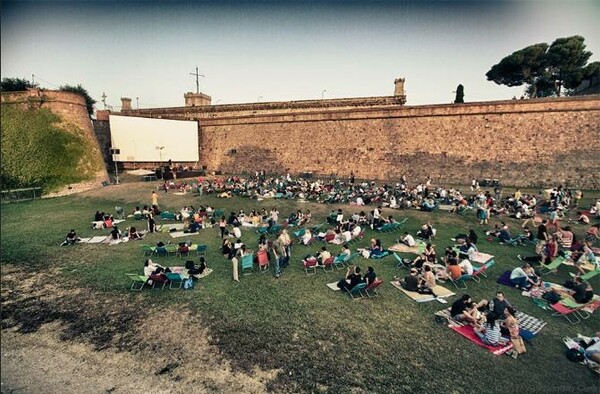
<point>60,340</point>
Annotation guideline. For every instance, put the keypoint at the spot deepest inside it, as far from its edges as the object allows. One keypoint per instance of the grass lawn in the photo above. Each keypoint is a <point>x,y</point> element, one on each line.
<point>318,340</point>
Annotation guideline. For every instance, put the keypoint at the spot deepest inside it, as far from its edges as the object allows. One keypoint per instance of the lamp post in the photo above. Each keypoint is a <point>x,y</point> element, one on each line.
<point>137,102</point>
<point>323,94</point>
<point>160,149</point>
<point>115,152</point>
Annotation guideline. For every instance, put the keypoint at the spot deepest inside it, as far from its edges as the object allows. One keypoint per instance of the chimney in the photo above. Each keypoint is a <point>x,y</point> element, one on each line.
<point>125,104</point>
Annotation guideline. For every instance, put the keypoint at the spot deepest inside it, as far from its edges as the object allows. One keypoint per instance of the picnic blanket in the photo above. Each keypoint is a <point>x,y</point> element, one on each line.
<point>95,240</point>
<point>504,279</point>
<point>403,248</point>
<point>469,333</point>
<point>586,265</point>
<point>446,207</point>
<point>440,291</point>
<point>333,285</point>
<point>529,325</point>
<point>180,234</point>
<point>481,258</point>
<point>165,228</point>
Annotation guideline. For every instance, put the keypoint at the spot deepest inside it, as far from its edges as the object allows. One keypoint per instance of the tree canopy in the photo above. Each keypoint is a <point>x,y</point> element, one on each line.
<point>546,69</point>
<point>15,85</point>
<point>89,101</point>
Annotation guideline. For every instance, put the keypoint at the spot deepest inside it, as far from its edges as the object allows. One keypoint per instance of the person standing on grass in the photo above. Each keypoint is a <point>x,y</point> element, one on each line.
<point>154,198</point>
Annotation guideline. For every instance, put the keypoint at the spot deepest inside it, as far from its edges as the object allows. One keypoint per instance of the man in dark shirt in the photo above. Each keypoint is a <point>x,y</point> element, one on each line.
<point>542,237</point>
<point>411,282</point>
<point>583,291</point>
<point>464,310</point>
<point>354,278</point>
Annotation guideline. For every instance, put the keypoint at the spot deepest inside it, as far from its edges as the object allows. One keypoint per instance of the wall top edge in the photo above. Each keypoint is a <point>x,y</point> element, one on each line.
<point>383,101</point>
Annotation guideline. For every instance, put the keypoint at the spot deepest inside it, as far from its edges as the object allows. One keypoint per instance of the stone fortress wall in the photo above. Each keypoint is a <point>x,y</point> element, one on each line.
<point>538,142</point>
<point>72,110</point>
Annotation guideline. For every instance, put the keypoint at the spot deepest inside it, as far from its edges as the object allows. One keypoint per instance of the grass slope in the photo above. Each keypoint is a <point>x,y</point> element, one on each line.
<point>321,340</point>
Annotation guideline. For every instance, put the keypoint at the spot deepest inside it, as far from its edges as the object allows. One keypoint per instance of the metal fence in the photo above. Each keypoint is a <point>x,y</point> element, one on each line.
<point>18,195</point>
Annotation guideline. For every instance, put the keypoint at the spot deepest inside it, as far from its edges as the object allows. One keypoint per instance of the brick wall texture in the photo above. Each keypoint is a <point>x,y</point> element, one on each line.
<point>536,142</point>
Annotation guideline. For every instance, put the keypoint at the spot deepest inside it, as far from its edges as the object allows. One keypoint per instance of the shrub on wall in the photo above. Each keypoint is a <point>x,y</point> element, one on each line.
<point>39,151</point>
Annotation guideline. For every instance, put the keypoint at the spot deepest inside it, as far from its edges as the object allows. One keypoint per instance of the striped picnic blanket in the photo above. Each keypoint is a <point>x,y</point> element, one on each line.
<point>526,322</point>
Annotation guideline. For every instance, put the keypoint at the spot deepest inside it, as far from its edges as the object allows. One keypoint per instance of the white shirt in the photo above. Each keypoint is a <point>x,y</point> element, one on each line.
<point>466,267</point>
<point>409,240</point>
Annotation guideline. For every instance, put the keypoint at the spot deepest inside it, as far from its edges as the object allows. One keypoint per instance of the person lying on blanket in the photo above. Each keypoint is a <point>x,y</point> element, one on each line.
<point>464,310</point>
<point>134,234</point>
<point>489,333</point>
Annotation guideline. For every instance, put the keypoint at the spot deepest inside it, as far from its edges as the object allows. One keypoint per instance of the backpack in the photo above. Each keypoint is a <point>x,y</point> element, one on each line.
<point>575,355</point>
<point>188,284</point>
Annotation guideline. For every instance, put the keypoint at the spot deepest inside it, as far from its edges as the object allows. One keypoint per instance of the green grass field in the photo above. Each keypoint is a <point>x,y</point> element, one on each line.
<point>322,341</point>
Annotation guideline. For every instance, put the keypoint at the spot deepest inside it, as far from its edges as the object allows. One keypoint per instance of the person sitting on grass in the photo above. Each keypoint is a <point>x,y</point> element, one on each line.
<point>499,304</point>
<point>524,277</point>
<point>587,256</point>
<point>427,281</point>
<point>549,253</point>
<point>410,281</point>
<point>510,327</point>
<point>376,249</point>
<point>583,291</point>
<point>464,310</point>
<point>489,333</point>
<point>408,239</point>
<point>352,279</point>
<point>71,238</point>
<point>193,270</point>
<point>115,233</point>
<point>134,234</point>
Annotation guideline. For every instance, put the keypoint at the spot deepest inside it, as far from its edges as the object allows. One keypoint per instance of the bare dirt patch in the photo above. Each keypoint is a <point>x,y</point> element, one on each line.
<point>58,339</point>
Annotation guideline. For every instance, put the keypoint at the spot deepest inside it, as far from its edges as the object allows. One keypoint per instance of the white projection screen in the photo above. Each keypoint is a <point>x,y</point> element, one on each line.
<point>154,140</point>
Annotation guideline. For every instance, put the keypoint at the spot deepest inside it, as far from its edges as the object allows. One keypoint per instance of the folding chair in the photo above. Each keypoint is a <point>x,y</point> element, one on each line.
<point>356,291</point>
<point>310,265</point>
<point>328,263</point>
<point>562,310</point>
<point>161,251</point>
<point>480,271</point>
<point>137,281</point>
<point>147,250</point>
<point>587,276</point>
<point>248,263</point>
<point>400,261</point>
<point>174,279</point>
<point>263,261</point>
<point>461,282</point>
<point>339,261</point>
<point>553,266</point>
<point>371,290</point>
<point>183,250</point>
<point>201,250</point>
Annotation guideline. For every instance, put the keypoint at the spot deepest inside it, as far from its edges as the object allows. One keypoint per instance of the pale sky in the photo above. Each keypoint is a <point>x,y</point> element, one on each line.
<point>264,51</point>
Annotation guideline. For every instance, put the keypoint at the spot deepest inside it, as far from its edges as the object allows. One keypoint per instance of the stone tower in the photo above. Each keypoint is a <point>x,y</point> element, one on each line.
<point>399,93</point>
<point>196,99</point>
<point>125,104</point>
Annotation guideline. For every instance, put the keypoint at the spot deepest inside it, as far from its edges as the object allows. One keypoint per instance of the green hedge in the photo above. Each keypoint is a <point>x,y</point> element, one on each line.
<point>37,151</point>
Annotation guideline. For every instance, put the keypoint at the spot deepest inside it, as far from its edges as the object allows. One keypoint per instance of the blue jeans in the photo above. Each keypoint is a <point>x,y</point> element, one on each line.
<point>521,282</point>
